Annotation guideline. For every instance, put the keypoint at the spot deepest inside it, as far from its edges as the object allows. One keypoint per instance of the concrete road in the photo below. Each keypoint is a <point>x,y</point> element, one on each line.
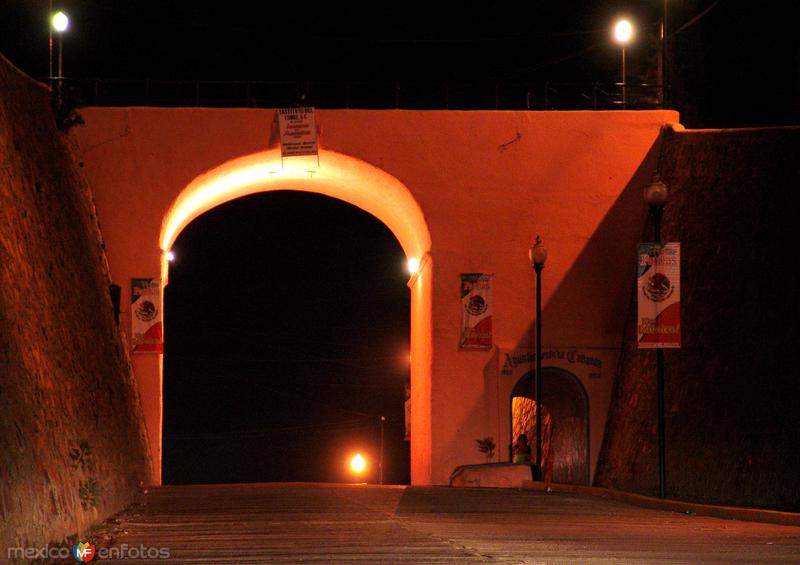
<point>313,523</point>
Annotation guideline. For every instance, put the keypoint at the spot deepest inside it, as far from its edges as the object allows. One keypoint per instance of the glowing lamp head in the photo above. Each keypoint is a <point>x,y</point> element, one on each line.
<point>358,464</point>
<point>623,31</point>
<point>60,22</point>
<point>413,265</point>
<point>170,256</point>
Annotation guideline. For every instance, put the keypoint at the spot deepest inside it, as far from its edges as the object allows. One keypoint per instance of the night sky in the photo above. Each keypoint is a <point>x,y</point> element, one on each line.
<point>287,314</point>
<point>731,62</point>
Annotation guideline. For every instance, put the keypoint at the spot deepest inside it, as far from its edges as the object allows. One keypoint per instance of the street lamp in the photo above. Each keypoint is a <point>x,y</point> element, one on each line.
<point>664,57</point>
<point>380,463</point>
<point>623,33</point>
<point>60,23</point>
<point>655,194</point>
<point>538,255</point>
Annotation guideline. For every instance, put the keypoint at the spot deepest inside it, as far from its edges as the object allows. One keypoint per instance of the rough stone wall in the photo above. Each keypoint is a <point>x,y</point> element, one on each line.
<point>72,448</point>
<point>733,390</point>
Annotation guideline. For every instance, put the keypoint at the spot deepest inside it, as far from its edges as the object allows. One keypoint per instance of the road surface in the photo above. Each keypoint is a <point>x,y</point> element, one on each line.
<point>325,523</point>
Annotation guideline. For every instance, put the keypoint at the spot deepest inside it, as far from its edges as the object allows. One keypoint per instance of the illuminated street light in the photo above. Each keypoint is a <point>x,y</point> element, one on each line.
<point>59,23</point>
<point>623,31</point>
<point>170,256</point>
<point>358,464</point>
<point>413,265</point>
<point>538,255</point>
<point>623,34</point>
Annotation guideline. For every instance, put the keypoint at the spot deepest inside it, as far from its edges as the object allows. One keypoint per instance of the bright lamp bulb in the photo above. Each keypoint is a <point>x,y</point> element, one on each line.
<point>170,256</point>
<point>60,22</point>
<point>623,31</point>
<point>413,265</point>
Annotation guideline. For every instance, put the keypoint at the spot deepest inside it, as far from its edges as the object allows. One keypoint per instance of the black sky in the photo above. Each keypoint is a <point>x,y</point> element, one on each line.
<point>732,62</point>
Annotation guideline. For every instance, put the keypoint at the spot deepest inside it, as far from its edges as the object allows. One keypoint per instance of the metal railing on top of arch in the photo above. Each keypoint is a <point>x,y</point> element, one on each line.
<point>362,95</point>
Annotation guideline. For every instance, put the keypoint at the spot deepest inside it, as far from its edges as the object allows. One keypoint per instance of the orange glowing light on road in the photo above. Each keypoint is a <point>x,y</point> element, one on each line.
<point>358,463</point>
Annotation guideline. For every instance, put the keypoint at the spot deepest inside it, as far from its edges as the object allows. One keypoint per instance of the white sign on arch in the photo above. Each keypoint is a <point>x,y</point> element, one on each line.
<point>298,131</point>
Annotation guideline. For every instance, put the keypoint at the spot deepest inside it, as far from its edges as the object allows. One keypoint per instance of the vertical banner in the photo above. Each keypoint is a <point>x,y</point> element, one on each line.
<point>476,311</point>
<point>659,295</point>
<point>147,331</point>
<point>298,131</point>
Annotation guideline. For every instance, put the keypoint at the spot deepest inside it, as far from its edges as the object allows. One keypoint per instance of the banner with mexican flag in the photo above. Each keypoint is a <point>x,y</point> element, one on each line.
<point>659,295</point>
<point>147,330</point>
<point>476,311</point>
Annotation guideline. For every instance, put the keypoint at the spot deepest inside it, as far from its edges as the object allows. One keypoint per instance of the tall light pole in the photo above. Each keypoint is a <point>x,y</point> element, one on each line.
<point>50,42</point>
<point>380,463</point>
<point>623,33</point>
<point>538,255</point>
<point>59,23</point>
<point>655,194</point>
<point>664,57</point>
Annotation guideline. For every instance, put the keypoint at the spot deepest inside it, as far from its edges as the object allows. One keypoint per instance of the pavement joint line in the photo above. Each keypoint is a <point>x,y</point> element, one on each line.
<point>742,514</point>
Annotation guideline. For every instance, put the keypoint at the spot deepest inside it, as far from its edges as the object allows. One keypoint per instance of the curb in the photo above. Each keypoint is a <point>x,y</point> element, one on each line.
<point>691,508</point>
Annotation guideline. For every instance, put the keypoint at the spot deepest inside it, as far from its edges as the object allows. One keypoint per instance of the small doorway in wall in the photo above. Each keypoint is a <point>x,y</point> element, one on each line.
<point>565,424</point>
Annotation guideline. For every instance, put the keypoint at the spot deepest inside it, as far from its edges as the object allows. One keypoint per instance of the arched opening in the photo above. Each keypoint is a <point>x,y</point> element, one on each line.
<point>354,182</point>
<point>287,343</point>
<point>565,423</point>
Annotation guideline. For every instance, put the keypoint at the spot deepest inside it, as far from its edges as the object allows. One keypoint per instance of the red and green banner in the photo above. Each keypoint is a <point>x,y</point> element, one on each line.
<point>476,311</point>
<point>147,328</point>
<point>659,295</point>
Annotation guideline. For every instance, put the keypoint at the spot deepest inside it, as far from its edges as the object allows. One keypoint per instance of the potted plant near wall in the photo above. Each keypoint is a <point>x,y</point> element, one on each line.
<point>487,446</point>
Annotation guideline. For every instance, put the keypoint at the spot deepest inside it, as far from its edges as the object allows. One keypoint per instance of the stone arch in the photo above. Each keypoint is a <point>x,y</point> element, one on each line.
<point>355,182</point>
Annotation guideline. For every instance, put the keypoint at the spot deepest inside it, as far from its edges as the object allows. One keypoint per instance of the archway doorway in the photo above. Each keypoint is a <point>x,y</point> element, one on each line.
<point>344,178</point>
<point>565,423</point>
<point>287,317</point>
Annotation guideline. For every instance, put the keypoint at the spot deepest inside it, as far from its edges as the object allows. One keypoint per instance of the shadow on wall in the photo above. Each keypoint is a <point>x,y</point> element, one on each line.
<point>589,308</point>
<point>592,299</point>
<point>732,424</point>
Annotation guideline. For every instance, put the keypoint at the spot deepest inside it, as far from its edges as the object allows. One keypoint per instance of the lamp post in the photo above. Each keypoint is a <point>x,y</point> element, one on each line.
<point>50,43</point>
<point>538,255</point>
<point>380,463</point>
<point>60,23</point>
<point>655,194</point>
<point>664,57</point>
<point>623,33</point>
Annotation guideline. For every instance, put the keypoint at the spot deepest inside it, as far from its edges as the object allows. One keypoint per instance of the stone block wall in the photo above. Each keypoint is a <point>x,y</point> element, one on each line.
<point>733,390</point>
<point>72,447</point>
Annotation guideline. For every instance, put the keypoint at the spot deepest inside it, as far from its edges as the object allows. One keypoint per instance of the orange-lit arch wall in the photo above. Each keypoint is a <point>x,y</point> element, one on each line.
<point>464,191</point>
<point>338,176</point>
